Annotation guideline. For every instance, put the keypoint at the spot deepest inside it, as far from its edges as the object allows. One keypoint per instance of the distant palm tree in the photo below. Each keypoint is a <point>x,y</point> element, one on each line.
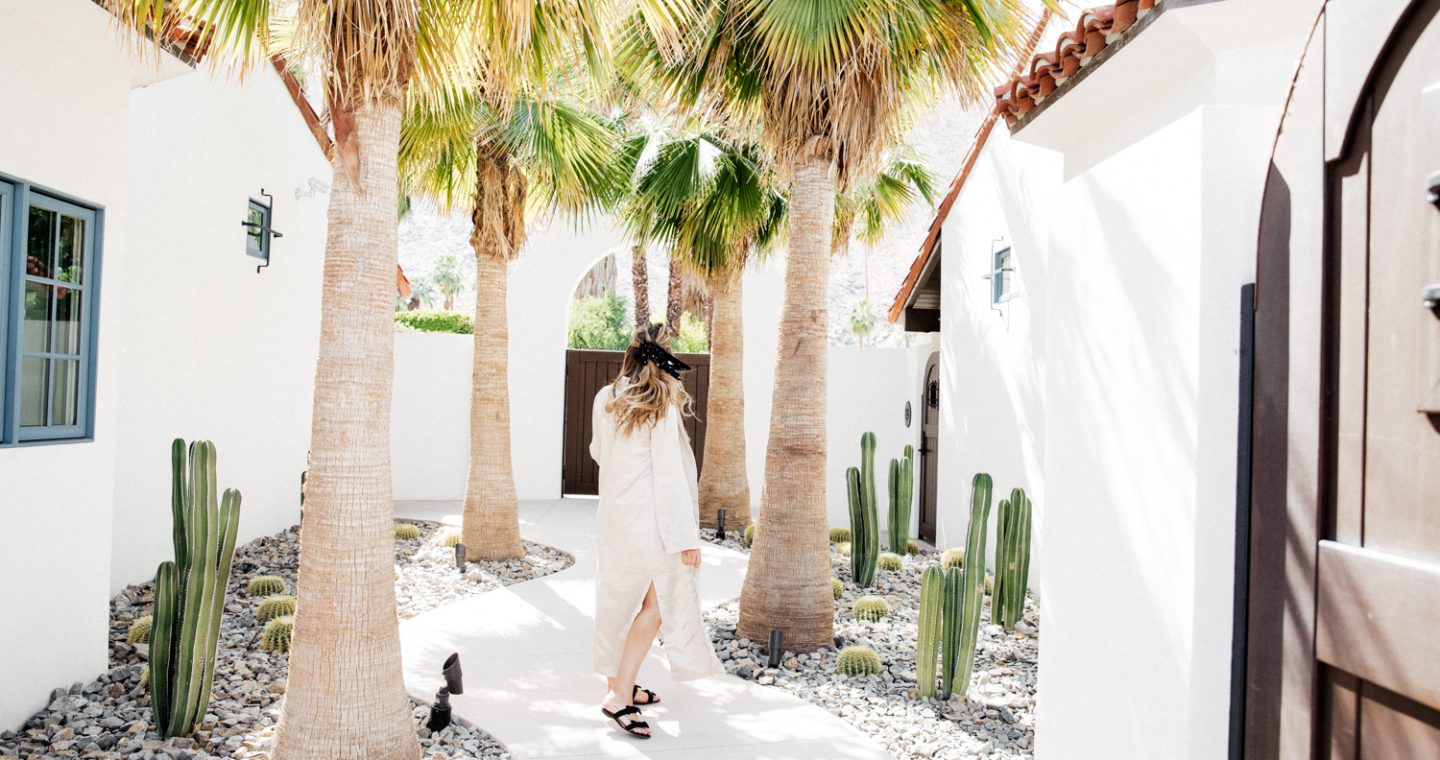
<point>715,205</point>
<point>827,84</point>
<point>882,199</point>
<point>345,696</point>
<point>640,284</point>
<point>448,279</point>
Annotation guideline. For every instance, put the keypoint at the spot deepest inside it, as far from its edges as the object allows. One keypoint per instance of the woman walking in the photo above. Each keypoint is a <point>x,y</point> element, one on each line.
<point>648,531</point>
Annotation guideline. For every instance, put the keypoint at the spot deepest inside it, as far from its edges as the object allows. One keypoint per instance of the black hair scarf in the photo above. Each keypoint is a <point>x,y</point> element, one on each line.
<point>650,352</point>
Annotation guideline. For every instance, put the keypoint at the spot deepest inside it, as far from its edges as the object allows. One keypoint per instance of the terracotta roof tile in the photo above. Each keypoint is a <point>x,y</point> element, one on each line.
<point>1095,29</point>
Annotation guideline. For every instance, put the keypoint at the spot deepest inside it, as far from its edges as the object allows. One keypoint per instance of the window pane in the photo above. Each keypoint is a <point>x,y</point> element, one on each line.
<point>40,261</point>
<point>64,407</point>
<point>34,390</point>
<point>35,331</point>
<point>253,233</point>
<point>72,249</point>
<point>66,333</point>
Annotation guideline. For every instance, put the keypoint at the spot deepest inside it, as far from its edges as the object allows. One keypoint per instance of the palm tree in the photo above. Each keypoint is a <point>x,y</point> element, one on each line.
<point>902,179</point>
<point>345,696</point>
<point>640,284</point>
<point>448,280</point>
<point>715,205</point>
<point>826,84</point>
<point>505,148</point>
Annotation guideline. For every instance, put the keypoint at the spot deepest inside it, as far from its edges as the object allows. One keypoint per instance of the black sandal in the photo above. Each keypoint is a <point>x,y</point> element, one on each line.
<point>651,698</point>
<point>632,724</point>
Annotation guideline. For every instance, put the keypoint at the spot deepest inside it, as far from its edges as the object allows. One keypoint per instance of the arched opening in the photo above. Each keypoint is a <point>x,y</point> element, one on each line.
<point>600,321</point>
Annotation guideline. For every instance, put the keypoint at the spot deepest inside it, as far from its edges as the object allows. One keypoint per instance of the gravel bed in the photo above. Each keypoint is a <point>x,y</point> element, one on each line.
<point>996,721</point>
<point>732,539</point>
<point>110,716</point>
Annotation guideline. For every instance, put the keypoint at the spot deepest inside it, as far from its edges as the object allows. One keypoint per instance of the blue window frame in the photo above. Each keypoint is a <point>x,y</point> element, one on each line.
<point>50,278</point>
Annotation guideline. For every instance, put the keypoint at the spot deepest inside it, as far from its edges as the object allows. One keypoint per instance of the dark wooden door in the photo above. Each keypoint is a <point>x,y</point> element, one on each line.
<point>929,441</point>
<point>1359,549</point>
<point>586,372</point>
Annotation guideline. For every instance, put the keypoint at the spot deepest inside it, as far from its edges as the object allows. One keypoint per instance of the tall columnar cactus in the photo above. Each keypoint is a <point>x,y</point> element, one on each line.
<point>864,520</point>
<point>951,630</point>
<point>1012,559</point>
<point>972,603</point>
<point>190,590</point>
<point>932,617</point>
<point>902,487</point>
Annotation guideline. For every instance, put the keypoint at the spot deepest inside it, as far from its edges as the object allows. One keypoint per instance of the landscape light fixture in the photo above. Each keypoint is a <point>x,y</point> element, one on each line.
<point>440,711</point>
<point>777,640</point>
<point>720,524</point>
<point>460,558</point>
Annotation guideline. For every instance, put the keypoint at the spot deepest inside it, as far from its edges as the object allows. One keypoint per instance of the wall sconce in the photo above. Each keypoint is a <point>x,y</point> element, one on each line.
<point>258,231</point>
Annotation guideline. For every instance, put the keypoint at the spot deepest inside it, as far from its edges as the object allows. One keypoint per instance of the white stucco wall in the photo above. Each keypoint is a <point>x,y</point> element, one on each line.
<point>867,387</point>
<point>55,501</point>
<point>1109,385</point>
<point>212,349</point>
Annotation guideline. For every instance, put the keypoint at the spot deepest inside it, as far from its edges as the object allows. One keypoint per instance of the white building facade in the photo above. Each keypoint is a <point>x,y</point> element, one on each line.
<point>1102,372</point>
<point>151,168</point>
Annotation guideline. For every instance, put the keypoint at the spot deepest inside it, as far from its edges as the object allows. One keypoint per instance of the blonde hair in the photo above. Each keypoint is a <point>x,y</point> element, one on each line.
<point>643,393</point>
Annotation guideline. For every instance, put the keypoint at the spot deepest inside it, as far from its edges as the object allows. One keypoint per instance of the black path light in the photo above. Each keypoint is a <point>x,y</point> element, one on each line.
<point>460,558</point>
<point>720,524</point>
<point>440,712</point>
<point>777,640</point>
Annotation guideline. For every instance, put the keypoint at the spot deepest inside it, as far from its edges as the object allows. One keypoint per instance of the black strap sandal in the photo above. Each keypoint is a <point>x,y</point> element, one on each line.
<point>651,698</point>
<point>629,725</point>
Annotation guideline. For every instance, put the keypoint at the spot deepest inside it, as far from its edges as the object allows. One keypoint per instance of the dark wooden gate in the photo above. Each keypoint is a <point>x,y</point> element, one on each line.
<point>929,443</point>
<point>586,372</point>
<point>1343,661</point>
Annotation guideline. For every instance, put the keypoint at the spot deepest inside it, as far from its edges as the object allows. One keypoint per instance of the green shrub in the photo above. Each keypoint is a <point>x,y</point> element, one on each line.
<point>839,534</point>
<point>858,661</point>
<point>871,608</point>
<point>139,632</point>
<point>891,562</point>
<point>275,636</point>
<point>434,322</point>
<point>693,337</point>
<point>265,585</point>
<point>837,587</point>
<point>598,323</point>
<point>406,532</point>
<point>275,606</point>
<point>952,558</point>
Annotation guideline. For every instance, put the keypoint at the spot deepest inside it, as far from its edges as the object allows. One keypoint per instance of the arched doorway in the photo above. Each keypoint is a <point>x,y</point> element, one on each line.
<point>1344,543</point>
<point>929,441</point>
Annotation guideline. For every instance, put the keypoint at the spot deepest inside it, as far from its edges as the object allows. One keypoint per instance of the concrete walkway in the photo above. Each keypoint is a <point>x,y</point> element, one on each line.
<point>528,680</point>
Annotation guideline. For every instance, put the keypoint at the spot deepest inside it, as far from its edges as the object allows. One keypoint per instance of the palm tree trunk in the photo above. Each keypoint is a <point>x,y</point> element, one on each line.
<point>788,583</point>
<point>674,300</point>
<point>346,696</point>
<point>491,529</point>
<point>492,518</point>
<point>724,483</point>
<point>640,282</point>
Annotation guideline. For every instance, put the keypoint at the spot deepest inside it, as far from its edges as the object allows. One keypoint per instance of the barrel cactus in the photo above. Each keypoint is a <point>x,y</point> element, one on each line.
<point>871,608</point>
<point>858,661</point>
<point>843,548</point>
<point>890,562</point>
<point>1012,559</point>
<point>932,617</point>
<point>451,539</point>
<point>837,587</point>
<point>902,486</point>
<point>839,534</point>
<point>406,532</point>
<point>912,547</point>
<point>275,636</point>
<point>749,535</point>
<point>190,590</point>
<point>139,632</point>
<point>265,585</point>
<point>952,558</point>
<point>275,606</point>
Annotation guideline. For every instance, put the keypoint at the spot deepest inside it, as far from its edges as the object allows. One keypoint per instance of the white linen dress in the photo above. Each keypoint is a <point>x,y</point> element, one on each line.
<point>649,512</point>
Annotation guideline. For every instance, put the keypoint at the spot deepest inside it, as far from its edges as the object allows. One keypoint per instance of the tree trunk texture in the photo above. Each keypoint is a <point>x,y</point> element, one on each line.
<point>640,281</point>
<point>346,696</point>
<point>491,528</point>
<point>788,583</point>
<point>674,300</point>
<point>724,483</point>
